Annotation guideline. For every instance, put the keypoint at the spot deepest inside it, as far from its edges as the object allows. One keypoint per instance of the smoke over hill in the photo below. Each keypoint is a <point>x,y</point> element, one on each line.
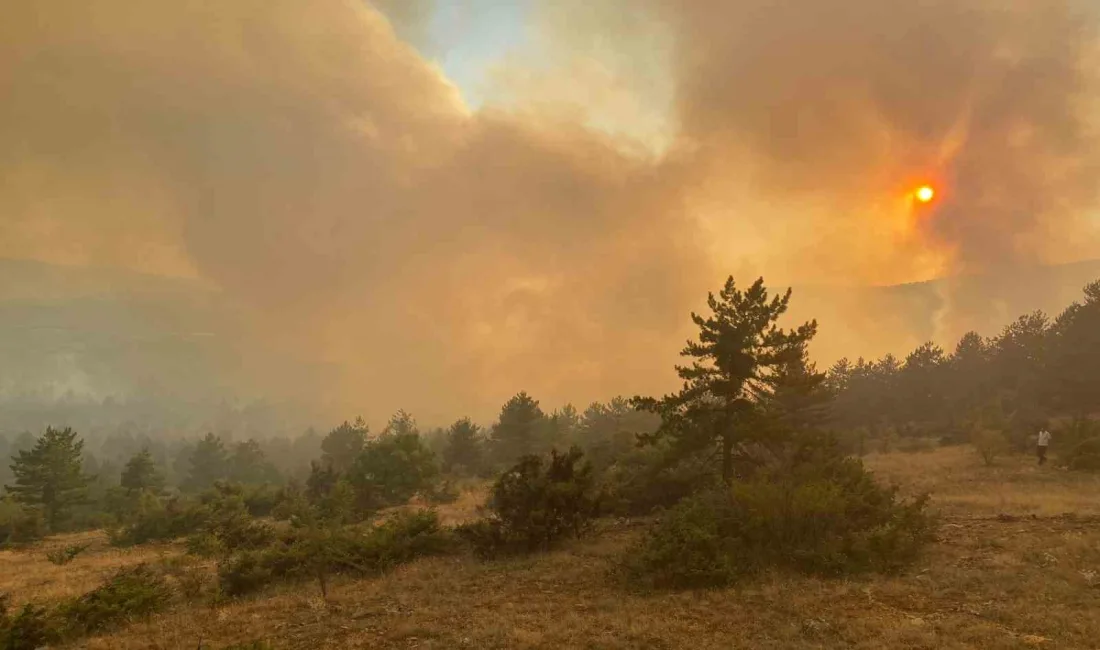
<point>359,238</point>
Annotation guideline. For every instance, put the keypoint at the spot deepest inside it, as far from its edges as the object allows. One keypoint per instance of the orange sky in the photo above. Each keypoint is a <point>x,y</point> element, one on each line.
<point>334,185</point>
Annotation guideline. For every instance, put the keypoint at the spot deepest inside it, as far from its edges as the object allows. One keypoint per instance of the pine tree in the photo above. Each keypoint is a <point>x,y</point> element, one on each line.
<point>739,350</point>
<point>208,463</point>
<point>342,445</point>
<point>249,465</point>
<point>967,380</point>
<point>1075,356</point>
<point>391,469</point>
<point>562,428</point>
<point>141,473</point>
<point>516,433</point>
<point>464,447</point>
<point>922,380</point>
<point>49,475</point>
<point>799,397</point>
<point>402,423</point>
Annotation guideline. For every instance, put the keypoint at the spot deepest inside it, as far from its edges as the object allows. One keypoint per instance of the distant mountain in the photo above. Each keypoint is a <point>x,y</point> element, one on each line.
<point>103,331</point>
<point>871,321</point>
<point>108,332</point>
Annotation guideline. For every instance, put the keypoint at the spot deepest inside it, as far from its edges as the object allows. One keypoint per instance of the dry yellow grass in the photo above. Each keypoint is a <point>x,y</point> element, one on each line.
<point>28,576</point>
<point>989,582</point>
<point>961,484</point>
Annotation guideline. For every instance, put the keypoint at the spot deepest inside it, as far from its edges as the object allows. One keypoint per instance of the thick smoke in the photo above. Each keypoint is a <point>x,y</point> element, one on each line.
<point>314,169</point>
<point>832,107</point>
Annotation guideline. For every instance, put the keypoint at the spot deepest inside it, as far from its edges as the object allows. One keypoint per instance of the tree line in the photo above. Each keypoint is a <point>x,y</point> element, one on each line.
<point>749,385</point>
<point>1035,370</point>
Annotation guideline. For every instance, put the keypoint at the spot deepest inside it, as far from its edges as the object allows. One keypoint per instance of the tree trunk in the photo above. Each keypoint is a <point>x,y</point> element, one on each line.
<point>727,457</point>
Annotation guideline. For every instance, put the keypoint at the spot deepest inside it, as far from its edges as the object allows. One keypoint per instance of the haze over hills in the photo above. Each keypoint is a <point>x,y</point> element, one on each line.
<point>90,334</point>
<point>873,321</point>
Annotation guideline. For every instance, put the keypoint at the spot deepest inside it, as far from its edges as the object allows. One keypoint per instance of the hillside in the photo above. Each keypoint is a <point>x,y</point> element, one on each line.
<point>1014,567</point>
<point>103,332</point>
<point>873,321</point>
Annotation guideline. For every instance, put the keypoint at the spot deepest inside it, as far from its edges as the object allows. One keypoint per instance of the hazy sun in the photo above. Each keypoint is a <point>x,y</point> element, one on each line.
<point>925,194</point>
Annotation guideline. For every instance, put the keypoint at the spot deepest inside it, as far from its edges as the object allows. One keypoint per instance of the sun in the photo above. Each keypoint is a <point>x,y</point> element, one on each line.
<point>925,194</point>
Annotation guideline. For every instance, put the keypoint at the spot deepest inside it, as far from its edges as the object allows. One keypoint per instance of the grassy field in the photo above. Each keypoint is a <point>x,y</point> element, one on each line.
<point>1017,565</point>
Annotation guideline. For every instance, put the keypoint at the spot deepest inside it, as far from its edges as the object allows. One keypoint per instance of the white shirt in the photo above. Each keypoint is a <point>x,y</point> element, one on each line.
<point>1044,438</point>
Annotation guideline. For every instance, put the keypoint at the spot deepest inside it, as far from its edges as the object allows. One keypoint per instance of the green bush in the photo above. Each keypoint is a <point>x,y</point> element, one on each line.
<point>820,513</point>
<point>391,470</point>
<point>134,592</point>
<point>29,629</point>
<point>649,479</point>
<point>317,551</point>
<point>19,525</point>
<point>159,521</point>
<point>1084,456</point>
<point>535,505</point>
<point>237,531</point>
<point>261,501</point>
<point>204,544</point>
<point>247,572</point>
<point>189,578</point>
<point>1078,445</point>
<point>990,444</point>
<point>62,556</point>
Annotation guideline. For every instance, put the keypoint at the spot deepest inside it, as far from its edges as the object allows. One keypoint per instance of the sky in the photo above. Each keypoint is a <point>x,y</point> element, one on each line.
<point>435,204</point>
<point>468,37</point>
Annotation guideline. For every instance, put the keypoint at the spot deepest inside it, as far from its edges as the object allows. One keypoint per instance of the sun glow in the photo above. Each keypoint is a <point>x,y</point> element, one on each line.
<point>925,194</point>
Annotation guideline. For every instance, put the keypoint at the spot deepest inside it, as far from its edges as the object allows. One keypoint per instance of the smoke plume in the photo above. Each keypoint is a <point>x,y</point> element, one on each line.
<point>376,243</point>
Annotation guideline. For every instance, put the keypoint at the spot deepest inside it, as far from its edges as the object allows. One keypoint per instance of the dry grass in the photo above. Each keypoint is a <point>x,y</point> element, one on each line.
<point>962,485</point>
<point>29,576</point>
<point>989,582</point>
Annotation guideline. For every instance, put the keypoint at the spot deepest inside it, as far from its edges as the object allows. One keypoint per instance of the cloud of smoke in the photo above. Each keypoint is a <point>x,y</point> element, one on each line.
<point>314,169</point>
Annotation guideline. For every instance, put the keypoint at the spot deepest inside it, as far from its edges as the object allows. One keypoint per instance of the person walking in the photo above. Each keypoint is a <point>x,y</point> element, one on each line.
<point>1044,442</point>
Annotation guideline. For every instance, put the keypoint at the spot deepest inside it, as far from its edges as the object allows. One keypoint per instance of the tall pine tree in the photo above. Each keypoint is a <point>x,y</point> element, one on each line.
<point>49,475</point>
<point>209,462</point>
<point>141,473</point>
<point>739,350</point>
<point>464,447</point>
<point>517,433</point>
<point>342,445</point>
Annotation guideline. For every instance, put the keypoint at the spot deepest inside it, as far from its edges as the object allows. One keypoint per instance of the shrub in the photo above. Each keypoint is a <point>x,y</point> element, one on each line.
<point>190,578</point>
<point>204,544</point>
<point>316,551</point>
<point>160,522</point>
<point>990,444</point>
<point>134,592</point>
<point>63,556</point>
<point>235,530</point>
<point>1084,456</point>
<point>246,572</point>
<point>649,479</point>
<point>261,501</point>
<point>19,525</point>
<point>392,469</point>
<point>535,505</point>
<point>30,628</point>
<point>1079,445</point>
<point>820,514</point>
